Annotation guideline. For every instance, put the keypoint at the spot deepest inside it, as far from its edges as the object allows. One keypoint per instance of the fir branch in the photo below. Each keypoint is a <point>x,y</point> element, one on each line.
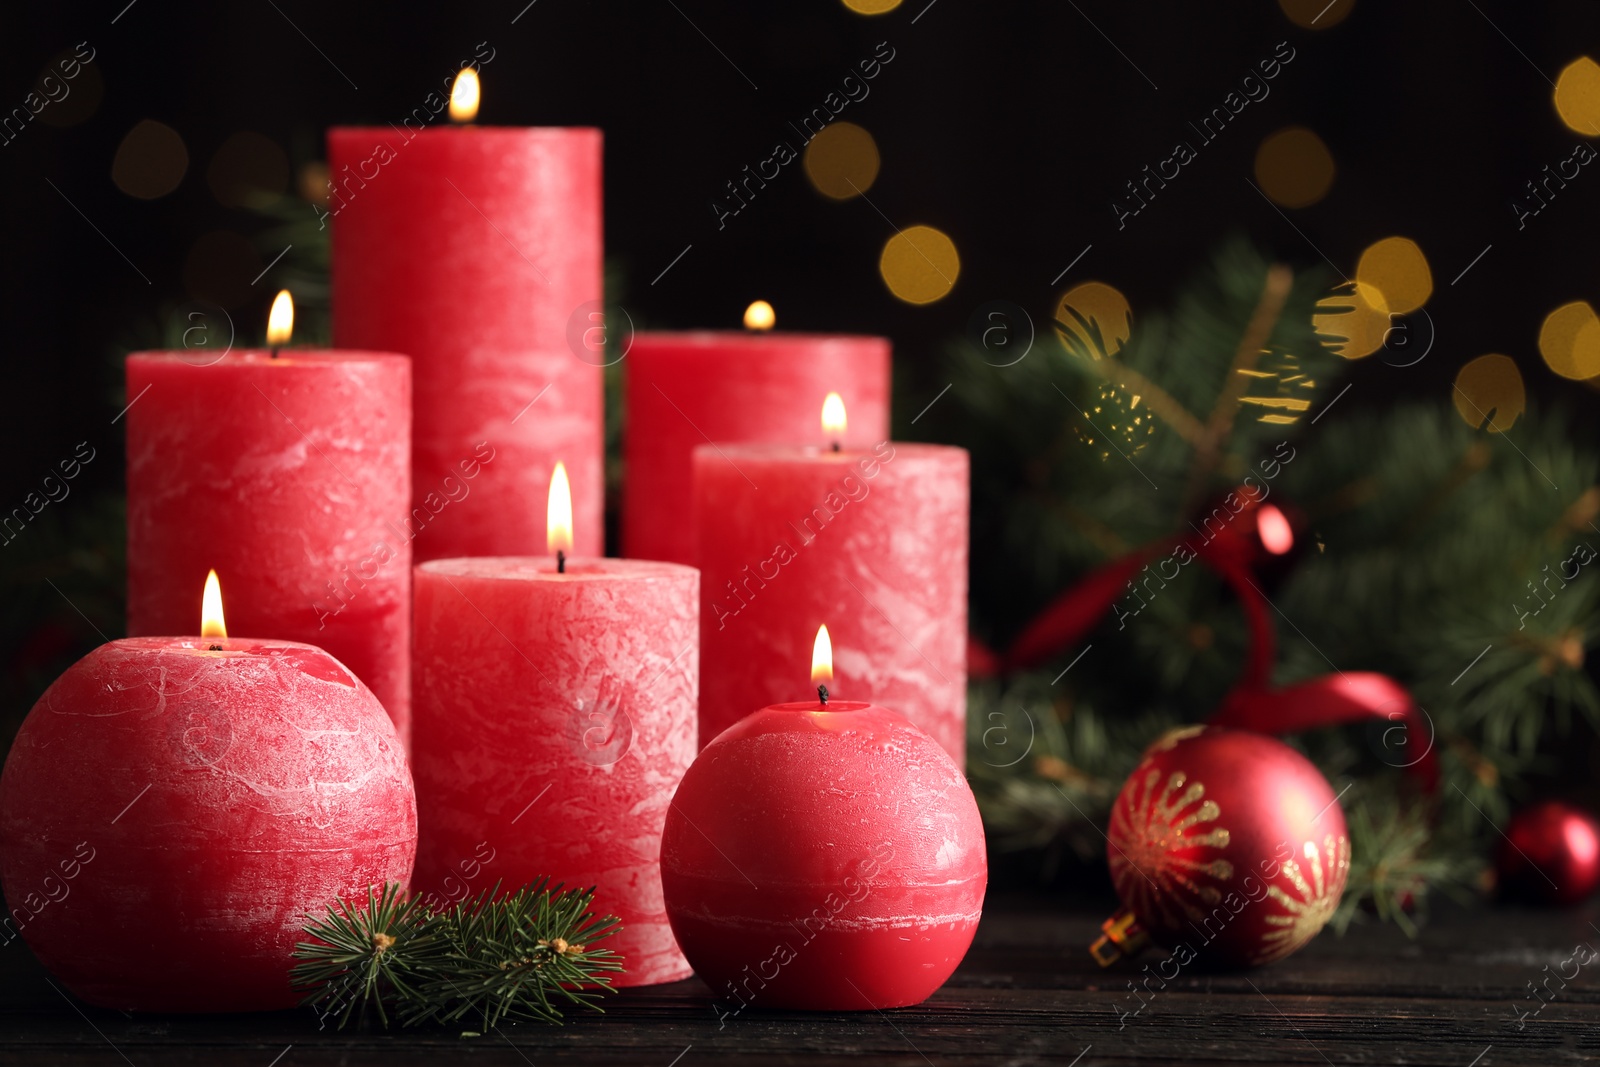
<point>525,955</point>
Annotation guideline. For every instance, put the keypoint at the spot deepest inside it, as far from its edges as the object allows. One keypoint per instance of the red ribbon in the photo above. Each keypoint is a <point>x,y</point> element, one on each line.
<point>1253,703</point>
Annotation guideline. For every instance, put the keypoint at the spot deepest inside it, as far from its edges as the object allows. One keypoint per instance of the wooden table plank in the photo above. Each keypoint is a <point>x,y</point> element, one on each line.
<point>1028,993</point>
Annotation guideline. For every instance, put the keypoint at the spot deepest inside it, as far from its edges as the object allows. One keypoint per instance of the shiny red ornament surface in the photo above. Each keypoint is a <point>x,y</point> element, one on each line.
<point>1229,842</point>
<point>1550,853</point>
<point>828,858</point>
<point>172,811</point>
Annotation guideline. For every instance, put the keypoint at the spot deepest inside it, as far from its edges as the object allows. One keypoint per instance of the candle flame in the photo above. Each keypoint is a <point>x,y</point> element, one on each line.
<point>833,420</point>
<point>464,95</point>
<point>822,657</point>
<point>280,320</point>
<point>759,316</point>
<point>1273,528</point>
<point>558,515</point>
<point>211,624</point>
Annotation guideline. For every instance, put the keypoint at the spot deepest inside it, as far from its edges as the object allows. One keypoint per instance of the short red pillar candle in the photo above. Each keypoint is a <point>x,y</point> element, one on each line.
<point>873,542</point>
<point>175,807</point>
<point>684,389</point>
<point>824,857</point>
<point>476,250</point>
<point>291,476</point>
<point>555,716</point>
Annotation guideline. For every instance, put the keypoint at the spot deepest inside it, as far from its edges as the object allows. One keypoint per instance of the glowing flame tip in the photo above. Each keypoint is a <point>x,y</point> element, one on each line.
<point>822,657</point>
<point>833,419</point>
<point>760,316</point>
<point>558,514</point>
<point>465,93</point>
<point>280,320</point>
<point>211,622</point>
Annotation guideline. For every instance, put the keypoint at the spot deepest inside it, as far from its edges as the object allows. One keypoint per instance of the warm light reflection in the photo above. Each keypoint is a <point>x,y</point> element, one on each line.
<point>211,623</point>
<point>822,657</point>
<point>919,264</point>
<point>464,96</point>
<point>760,316</point>
<point>280,320</point>
<point>1489,393</point>
<point>1397,269</point>
<point>558,515</point>
<point>1569,341</point>
<point>1273,528</point>
<point>833,420</point>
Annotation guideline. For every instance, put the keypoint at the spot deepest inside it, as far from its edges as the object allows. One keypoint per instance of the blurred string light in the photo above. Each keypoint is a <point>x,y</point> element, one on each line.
<point>1316,14</point>
<point>1577,96</point>
<point>1093,320</point>
<point>871,7</point>
<point>1392,279</point>
<point>150,161</point>
<point>842,161</point>
<point>1294,168</point>
<point>1488,391</point>
<point>1569,341</point>
<point>919,264</point>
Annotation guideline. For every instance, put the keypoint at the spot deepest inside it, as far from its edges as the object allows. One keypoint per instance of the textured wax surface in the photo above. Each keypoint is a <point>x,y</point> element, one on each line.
<point>686,388</point>
<point>845,838</point>
<point>473,250</point>
<point>1229,842</point>
<point>170,815</point>
<point>555,716</point>
<point>290,477</point>
<point>873,544</point>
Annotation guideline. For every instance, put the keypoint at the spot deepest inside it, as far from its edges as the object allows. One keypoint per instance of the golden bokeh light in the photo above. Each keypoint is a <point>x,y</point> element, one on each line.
<point>871,7</point>
<point>1294,168</point>
<point>842,161</point>
<point>1396,268</point>
<point>1316,14</point>
<point>919,264</point>
<point>760,316</point>
<point>1569,341</point>
<point>1577,96</point>
<point>1093,319</point>
<point>150,161</point>
<point>1355,316</point>
<point>1489,390</point>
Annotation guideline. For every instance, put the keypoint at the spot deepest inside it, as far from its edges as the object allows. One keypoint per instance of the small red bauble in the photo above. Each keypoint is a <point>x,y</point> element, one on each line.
<point>828,858</point>
<point>1550,853</point>
<point>174,808</point>
<point>1227,842</point>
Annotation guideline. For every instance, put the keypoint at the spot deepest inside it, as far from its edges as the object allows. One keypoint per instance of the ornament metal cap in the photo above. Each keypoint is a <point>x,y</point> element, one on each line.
<point>1122,936</point>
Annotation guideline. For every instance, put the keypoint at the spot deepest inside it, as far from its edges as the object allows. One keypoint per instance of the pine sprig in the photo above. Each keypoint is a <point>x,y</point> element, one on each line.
<point>524,955</point>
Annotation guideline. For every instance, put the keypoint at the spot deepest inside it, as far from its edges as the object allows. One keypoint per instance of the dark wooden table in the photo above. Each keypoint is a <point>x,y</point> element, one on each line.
<point>1027,993</point>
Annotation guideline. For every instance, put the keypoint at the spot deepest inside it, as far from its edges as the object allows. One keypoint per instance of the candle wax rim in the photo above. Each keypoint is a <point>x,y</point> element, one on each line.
<point>288,356</point>
<point>712,340</point>
<point>543,569</point>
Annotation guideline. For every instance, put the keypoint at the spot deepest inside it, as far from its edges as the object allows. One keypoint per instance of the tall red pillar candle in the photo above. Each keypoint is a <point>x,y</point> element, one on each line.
<point>475,250</point>
<point>174,807</point>
<point>555,716</point>
<point>291,477</point>
<point>824,857</point>
<point>872,541</point>
<point>684,389</point>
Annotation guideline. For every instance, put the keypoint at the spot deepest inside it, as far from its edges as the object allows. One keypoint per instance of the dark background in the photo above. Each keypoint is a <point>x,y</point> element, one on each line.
<point>1010,126</point>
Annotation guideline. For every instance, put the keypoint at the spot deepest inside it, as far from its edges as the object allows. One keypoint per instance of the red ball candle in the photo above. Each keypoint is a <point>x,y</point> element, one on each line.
<point>871,541</point>
<point>555,716</point>
<point>174,807</point>
<point>1551,854</point>
<point>475,250</point>
<point>291,476</point>
<point>684,389</point>
<point>824,856</point>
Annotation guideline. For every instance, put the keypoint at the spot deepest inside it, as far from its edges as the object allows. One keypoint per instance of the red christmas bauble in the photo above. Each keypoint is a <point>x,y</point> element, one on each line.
<point>1551,853</point>
<point>1227,842</point>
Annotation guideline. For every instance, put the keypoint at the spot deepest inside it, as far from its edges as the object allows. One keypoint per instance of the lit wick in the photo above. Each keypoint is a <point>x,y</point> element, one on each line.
<point>822,694</point>
<point>280,322</point>
<point>822,663</point>
<point>558,517</point>
<point>561,562</point>
<point>833,420</point>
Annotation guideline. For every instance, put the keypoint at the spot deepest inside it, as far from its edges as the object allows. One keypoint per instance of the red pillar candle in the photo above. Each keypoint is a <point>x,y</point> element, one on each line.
<point>684,389</point>
<point>555,716</point>
<point>828,857</point>
<point>289,475</point>
<point>872,541</point>
<point>174,807</point>
<point>475,250</point>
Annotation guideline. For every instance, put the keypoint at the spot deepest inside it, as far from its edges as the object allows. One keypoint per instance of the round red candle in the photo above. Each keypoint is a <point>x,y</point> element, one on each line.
<point>475,250</point>
<point>555,716</point>
<point>291,477</point>
<point>684,389</point>
<point>824,857</point>
<point>171,812</point>
<point>873,542</point>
